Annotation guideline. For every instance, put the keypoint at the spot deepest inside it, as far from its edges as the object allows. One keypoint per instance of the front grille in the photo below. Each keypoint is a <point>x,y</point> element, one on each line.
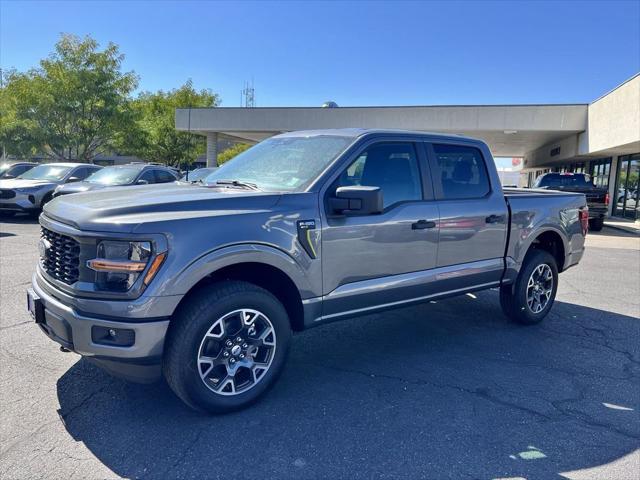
<point>60,258</point>
<point>7,194</point>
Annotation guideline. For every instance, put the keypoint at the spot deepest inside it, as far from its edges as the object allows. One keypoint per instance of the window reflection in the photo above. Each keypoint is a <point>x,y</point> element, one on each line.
<point>626,193</point>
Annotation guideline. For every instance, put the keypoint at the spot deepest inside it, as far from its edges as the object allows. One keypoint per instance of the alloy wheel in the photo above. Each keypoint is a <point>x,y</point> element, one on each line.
<point>236,352</point>
<point>539,288</point>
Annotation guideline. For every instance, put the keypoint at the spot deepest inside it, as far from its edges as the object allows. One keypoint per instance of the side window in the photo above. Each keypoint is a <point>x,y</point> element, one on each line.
<point>162,176</point>
<point>391,166</point>
<point>462,172</point>
<point>81,173</point>
<point>148,176</point>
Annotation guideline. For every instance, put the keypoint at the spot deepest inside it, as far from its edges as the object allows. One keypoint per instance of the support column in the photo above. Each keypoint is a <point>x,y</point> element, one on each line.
<point>212,149</point>
<point>613,194</point>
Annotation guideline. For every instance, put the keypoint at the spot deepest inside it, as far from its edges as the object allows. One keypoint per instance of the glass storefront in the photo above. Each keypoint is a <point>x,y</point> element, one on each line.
<point>599,171</point>
<point>570,168</point>
<point>626,203</point>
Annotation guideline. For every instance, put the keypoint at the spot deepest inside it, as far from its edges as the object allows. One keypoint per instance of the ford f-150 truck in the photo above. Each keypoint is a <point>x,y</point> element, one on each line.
<point>205,283</point>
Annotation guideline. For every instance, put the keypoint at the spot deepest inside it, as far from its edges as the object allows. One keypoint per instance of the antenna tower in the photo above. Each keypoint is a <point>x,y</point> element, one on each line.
<point>248,95</point>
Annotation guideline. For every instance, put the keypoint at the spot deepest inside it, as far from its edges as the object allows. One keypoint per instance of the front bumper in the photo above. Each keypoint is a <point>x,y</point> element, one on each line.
<point>72,329</point>
<point>21,202</point>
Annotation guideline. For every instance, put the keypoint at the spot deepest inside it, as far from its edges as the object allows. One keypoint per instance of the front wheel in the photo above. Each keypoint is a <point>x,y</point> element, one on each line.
<point>531,297</point>
<point>226,347</point>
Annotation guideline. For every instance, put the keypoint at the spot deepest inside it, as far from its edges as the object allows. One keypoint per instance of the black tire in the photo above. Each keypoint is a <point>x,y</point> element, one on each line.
<point>596,224</point>
<point>513,298</point>
<point>186,337</point>
<point>46,199</point>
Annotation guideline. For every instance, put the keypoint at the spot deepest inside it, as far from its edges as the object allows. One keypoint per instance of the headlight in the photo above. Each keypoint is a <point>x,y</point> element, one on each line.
<point>119,264</point>
<point>26,189</point>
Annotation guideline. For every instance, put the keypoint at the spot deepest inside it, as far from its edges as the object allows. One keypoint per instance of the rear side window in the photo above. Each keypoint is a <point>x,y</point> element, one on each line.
<point>162,176</point>
<point>461,171</point>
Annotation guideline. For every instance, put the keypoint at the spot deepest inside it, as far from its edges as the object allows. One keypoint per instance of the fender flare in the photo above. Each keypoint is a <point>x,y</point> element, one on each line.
<point>535,233</point>
<point>233,255</point>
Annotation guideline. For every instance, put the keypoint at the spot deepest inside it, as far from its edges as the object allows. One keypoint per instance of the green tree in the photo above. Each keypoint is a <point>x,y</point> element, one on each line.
<point>160,141</point>
<point>75,105</point>
<point>16,134</point>
<point>231,152</point>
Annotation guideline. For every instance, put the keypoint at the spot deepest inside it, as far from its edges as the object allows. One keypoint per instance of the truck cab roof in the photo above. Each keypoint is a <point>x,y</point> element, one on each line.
<point>361,132</point>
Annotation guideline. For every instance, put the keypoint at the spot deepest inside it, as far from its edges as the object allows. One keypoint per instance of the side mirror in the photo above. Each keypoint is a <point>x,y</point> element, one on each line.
<point>8,176</point>
<point>73,179</point>
<point>357,200</point>
<point>142,182</point>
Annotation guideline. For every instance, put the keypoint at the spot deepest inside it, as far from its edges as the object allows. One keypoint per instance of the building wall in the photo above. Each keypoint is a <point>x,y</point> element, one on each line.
<point>553,153</point>
<point>614,119</point>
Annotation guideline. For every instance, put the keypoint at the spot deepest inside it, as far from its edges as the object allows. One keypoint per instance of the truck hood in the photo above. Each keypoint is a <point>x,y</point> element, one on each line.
<point>12,183</point>
<point>130,209</point>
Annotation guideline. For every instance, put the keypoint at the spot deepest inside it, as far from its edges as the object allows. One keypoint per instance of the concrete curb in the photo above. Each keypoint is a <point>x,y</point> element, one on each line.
<point>623,228</point>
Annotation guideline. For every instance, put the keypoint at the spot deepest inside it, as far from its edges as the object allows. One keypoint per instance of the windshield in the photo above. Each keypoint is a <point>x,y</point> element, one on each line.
<point>114,176</point>
<point>563,180</point>
<point>198,174</point>
<point>46,172</point>
<point>282,164</point>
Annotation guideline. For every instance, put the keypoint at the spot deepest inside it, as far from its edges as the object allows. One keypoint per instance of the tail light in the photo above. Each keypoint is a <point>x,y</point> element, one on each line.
<point>606,199</point>
<point>584,219</point>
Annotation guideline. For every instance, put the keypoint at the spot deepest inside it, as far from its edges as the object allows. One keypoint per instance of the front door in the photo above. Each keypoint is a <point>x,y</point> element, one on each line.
<point>378,259</point>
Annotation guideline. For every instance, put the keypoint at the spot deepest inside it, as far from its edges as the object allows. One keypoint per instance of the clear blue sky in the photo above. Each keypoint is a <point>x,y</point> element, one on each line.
<point>356,53</point>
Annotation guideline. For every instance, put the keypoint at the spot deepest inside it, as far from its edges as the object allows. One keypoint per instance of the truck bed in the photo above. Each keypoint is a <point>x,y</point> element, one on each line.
<point>535,193</point>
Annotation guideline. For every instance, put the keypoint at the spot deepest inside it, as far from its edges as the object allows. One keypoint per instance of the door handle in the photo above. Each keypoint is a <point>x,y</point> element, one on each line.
<point>422,224</point>
<point>495,219</point>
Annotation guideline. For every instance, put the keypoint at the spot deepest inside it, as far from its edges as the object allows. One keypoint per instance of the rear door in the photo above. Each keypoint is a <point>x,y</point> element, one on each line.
<point>473,216</point>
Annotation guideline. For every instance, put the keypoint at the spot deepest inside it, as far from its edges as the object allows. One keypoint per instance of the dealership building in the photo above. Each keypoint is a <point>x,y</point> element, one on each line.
<point>601,138</point>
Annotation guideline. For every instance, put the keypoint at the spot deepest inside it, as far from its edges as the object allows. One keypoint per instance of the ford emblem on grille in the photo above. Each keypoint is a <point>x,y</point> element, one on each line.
<point>43,247</point>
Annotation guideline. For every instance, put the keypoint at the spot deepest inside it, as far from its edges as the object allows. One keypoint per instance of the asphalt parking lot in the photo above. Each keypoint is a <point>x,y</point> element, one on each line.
<point>443,390</point>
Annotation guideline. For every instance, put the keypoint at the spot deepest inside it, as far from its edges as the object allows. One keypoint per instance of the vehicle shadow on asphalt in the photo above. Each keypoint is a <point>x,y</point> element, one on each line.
<point>445,390</point>
<point>20,219</point>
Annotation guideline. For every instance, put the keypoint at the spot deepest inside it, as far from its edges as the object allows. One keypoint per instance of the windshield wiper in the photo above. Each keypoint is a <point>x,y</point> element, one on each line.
<point>237,183</point>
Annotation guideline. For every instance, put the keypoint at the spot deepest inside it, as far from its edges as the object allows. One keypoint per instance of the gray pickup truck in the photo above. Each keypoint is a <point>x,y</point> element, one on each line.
<point>205,283</point>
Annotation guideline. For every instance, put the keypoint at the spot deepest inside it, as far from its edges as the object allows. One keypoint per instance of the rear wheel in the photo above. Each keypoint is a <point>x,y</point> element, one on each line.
<point>596,224</point>
<point>226,347</point>
<point>531,297</point>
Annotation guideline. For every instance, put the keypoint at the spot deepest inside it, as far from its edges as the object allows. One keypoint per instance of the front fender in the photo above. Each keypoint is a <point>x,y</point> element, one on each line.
<point>242,253</point>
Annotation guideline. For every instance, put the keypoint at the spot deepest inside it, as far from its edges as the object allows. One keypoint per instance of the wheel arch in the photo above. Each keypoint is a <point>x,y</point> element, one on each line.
<point>264,266</point>
<point>550,240</point>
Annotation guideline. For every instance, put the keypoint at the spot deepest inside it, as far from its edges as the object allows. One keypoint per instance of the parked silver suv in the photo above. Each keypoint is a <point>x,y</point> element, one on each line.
<point>30,191</point>
<point>120,176</point>
<point>206,282</point>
